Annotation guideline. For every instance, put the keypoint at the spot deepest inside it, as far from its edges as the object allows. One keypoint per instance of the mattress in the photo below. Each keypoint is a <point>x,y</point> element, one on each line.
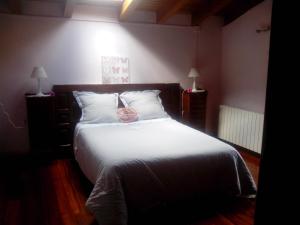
<point>142,164</point>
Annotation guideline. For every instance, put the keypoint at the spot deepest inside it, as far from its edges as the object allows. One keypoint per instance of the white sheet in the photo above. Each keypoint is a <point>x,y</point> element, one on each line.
<point>162,157</point>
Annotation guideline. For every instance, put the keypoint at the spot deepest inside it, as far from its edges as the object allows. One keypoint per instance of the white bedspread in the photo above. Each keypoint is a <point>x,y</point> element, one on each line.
<point>149,162</point>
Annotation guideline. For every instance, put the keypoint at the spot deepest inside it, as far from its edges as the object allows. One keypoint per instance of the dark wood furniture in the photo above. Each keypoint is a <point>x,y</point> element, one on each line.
<point>52,119</point>
<point>64,126</point>
<point>194,109</point>
<point>67,112</point>
<point>40,123</point>
<point>49,127</point>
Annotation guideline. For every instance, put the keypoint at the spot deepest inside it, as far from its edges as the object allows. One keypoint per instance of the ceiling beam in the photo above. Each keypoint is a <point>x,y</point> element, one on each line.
<point>15,6</point>
<point>69,8</point>
<point>128,6</point>
<point>214,8</point>
<point>170,9</point>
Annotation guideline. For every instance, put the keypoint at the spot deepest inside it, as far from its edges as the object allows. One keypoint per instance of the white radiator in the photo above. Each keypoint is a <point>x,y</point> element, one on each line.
<point>241,127</point>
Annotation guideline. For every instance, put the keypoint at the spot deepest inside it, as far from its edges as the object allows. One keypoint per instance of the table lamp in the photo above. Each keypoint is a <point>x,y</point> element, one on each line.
<point>39,73</point>
<point>193,74</point>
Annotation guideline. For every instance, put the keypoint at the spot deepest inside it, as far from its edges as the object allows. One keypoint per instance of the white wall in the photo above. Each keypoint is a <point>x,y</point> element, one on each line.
<point>209,63</point>
<point>71,50</point>
<point>245,55</point>
<point>233,59</point>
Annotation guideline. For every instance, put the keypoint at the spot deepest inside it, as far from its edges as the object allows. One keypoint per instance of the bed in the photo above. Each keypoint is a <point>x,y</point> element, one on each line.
<point>143,164</point>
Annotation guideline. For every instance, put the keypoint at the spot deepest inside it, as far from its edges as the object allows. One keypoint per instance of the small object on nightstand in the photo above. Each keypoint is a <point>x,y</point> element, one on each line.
<point>190,90</point>
<point>193,74</point>
<point>194,108</point>
<point>39,73</point>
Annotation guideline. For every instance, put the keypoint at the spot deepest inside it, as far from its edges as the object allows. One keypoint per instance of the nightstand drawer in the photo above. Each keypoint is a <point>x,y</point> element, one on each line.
<point>199,99</point>
<point>64,134</point>
<point>64,126</point>
<point>62,100</point>
<point>64,147</point>
<point>198,116</point>
<point>63,116</point>
<point>197,110</point>
<point>197,107</point>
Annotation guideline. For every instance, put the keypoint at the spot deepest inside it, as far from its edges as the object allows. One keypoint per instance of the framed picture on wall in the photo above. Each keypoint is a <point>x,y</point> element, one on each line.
<point>115,70</point>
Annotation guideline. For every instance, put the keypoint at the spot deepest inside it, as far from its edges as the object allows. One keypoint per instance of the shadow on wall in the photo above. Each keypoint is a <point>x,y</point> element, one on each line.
<point>209,56</point>
<point>13,130</point>
<point>12,134</point>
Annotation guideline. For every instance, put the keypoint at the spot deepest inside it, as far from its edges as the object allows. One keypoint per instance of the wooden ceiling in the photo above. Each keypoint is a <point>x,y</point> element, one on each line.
<point>164,9</point>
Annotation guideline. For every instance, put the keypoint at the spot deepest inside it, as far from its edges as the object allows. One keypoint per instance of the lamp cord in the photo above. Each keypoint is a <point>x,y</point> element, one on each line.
<point>8,117</point>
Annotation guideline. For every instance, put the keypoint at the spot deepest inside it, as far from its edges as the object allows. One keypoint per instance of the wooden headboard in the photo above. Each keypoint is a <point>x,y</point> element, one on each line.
<point>170,95</point>
<point>68,113</point>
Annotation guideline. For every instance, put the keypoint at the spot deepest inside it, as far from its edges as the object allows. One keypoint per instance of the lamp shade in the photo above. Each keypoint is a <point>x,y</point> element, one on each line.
<point>193,73</point>
<point>38,72</point>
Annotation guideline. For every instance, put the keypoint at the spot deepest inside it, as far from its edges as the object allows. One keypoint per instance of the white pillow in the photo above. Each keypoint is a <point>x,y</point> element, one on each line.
<point>97,108</point>
<point>146,103</point>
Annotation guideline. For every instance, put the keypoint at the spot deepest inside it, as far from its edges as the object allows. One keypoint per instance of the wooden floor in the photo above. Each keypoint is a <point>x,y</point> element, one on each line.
<point>54,193</point>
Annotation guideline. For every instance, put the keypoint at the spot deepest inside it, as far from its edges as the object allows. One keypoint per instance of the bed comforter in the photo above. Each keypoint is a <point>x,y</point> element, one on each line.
<point>145,163</point>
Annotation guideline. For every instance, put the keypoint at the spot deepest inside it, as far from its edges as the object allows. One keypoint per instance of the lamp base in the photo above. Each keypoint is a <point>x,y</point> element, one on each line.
<point>40,94</point>
<point>39,89</point>
<point>198,90</point>
<point>194,85</point>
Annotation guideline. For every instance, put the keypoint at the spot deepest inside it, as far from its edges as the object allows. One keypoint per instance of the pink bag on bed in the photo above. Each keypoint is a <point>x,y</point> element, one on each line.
<point>127,115</point>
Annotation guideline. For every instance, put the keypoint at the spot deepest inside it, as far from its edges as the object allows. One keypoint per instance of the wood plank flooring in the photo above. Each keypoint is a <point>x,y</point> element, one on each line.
<point>54,193</point>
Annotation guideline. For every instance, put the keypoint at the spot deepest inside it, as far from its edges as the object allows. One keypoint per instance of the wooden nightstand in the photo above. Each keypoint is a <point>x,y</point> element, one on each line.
<point>194,109</point>
<point>64,126</point>
<point>40,111</point>
<point>50,126</point>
